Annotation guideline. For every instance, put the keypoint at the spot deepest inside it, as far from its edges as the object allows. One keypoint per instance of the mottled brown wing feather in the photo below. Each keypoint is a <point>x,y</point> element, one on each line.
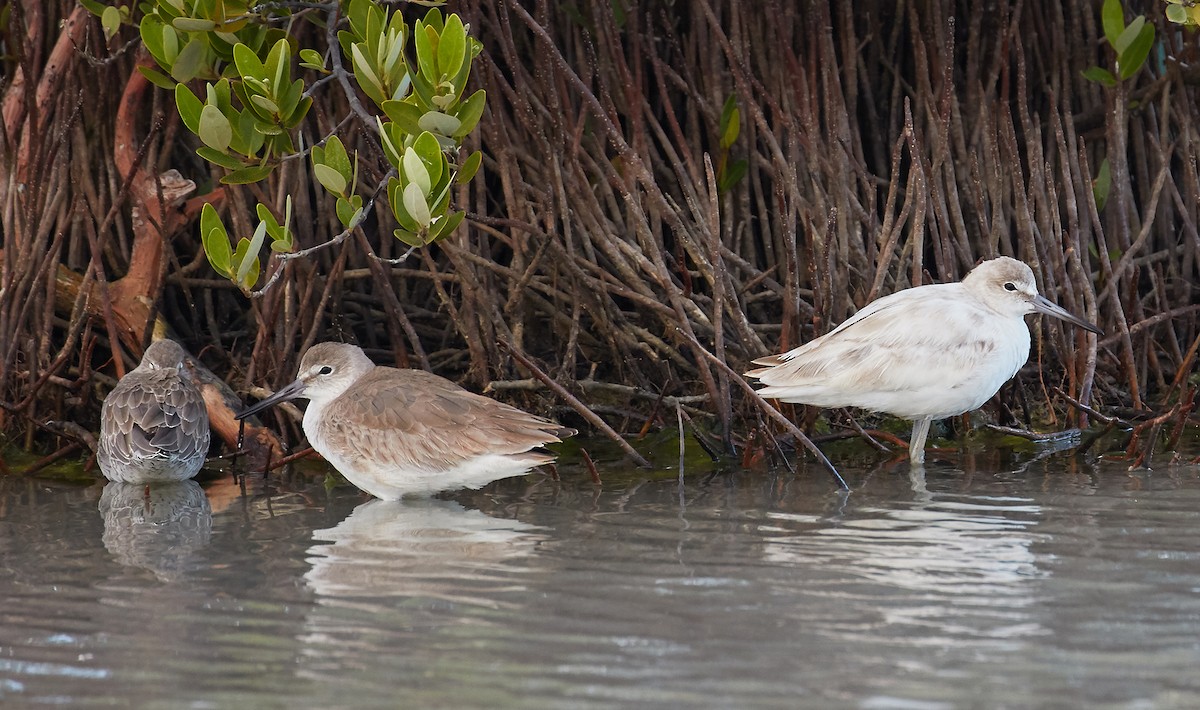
<point>411,418</point>
<point>151,413</point>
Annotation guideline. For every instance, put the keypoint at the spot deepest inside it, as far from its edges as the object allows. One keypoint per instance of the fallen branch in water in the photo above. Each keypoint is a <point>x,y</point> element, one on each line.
<point>1035,435</point>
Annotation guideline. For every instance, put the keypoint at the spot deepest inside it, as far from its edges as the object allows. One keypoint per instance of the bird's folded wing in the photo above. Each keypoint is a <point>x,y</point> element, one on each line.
<point>146,419</point>
<point>413,419</point>
<point>901,344</point>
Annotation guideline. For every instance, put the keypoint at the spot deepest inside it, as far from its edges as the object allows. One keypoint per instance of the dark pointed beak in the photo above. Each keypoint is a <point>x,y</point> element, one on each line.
<point>1043,305</point>
<point>292,391</point>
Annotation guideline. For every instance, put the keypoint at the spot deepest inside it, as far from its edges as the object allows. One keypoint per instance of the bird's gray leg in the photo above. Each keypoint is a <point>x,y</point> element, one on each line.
<point>916,443</point>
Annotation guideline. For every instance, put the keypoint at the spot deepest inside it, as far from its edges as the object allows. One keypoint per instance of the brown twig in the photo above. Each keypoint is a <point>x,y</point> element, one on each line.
<point>574,403</point>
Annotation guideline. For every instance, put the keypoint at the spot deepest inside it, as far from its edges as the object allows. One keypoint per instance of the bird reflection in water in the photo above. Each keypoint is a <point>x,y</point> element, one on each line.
<point>158,527</point>
<point>421,548</point>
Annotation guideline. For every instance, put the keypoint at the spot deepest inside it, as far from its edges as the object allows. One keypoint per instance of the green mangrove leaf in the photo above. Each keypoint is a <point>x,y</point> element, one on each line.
<point>265,104</point>
<point>215,240</point>
<point>1129,34</point>
<point>337,158</point>
<point>732,175</point>
<point>1112,16</point>
<point>403,114</point>
<point>350,211</point>
<point>245,176</point>
<point>1100,76</point>
<point>452,46</point>
<point>169,44</point>
<point>94,7</point>
<point>469,113</point>
<point>446,225</point>
<point>392,141</point>
<point>193,24</point>
<point>425,38</point>
<point>330,178</point>
<point>110,20</point>
<point>1134,56</point>
<point>429,149</point>
<point>416,172</point>
<point>190,61</point>
<point>221,158</point>
<point>159,79</point>
<point>247,263</point>
<point>312,59</point>
<point>414,202</point>
<point>367,78</point>
<point>469,167</point>
<point>247,62</point>
<point>396,200</point>
<point>215,129</point>
<point>438,122</point>
<point>408,238</point>
<point>731,127</point>
<point>189,108</point>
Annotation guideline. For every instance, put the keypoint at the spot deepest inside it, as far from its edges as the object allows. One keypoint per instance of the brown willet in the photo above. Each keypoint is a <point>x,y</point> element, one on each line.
<point>154,424</point>
<point>394,432</point>
<point>924,353</point>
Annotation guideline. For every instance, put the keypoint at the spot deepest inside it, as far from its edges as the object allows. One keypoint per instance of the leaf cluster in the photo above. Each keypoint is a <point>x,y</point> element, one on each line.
<point>1131,43</point>
<point>249,111</point>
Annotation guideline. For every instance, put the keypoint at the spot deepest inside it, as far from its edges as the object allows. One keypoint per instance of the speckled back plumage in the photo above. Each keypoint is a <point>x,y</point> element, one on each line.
<point>154,424</point>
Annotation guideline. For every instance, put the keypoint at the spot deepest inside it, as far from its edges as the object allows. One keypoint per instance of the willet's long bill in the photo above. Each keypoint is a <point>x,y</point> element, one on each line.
<point>393,432</point>
<point>924,353</point>
<point>154,424</point>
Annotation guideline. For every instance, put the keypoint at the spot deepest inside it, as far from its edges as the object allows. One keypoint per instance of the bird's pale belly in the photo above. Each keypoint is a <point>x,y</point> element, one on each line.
<point>952,391</point>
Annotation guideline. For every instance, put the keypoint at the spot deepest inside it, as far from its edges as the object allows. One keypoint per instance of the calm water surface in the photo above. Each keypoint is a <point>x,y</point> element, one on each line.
<point>1006,583</point>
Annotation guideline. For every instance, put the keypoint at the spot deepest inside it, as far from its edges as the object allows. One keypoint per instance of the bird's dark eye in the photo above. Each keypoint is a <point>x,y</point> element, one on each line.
<point>325,370</point>
<point>1010,286</point>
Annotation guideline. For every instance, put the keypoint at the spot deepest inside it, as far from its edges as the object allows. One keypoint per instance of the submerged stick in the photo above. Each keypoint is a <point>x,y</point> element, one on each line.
<point>682,445</point>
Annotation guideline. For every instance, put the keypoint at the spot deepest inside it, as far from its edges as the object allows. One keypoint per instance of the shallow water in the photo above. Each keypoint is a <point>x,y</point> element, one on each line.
<point>1012,583</point>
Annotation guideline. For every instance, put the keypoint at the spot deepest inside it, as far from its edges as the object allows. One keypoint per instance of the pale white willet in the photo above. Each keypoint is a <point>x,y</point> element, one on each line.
<point>393,432</point>
<point>924,353</point>
<point>154,424</point>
